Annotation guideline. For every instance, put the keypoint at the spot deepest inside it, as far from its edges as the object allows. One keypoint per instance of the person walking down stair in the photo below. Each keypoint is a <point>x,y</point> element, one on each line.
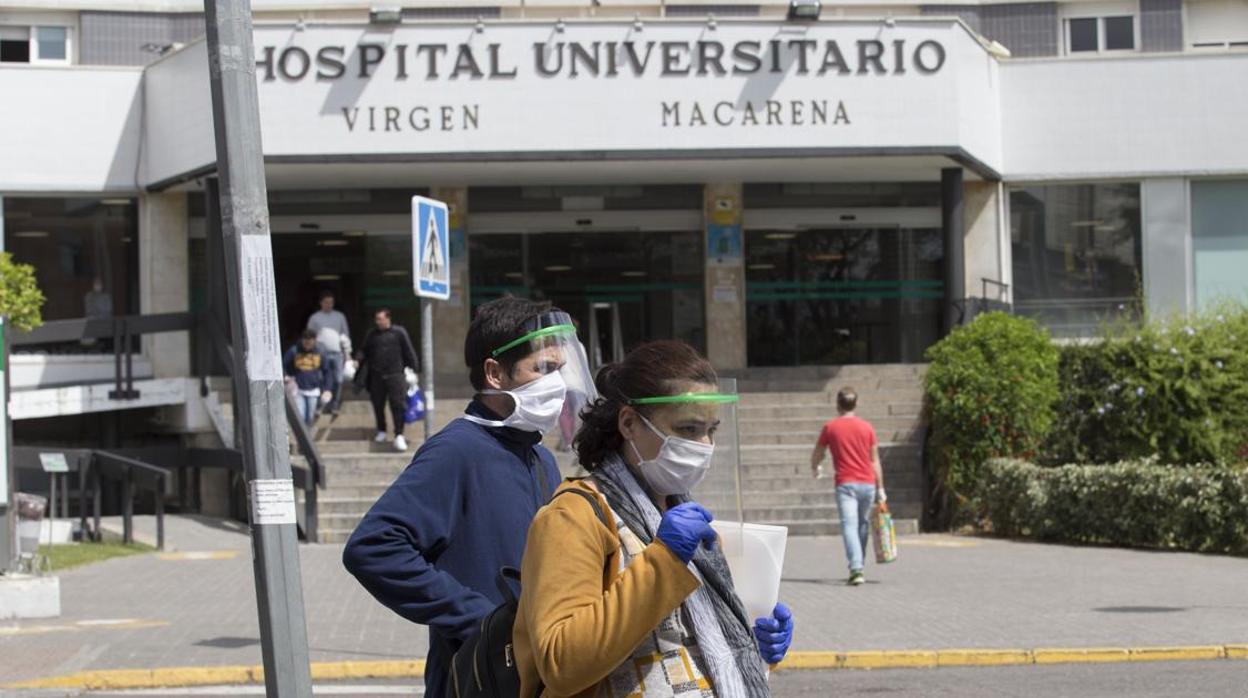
<point>385,353</point>
<point>855,452</point>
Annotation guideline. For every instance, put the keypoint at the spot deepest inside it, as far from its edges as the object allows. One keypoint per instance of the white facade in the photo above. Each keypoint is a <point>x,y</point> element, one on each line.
<point>630,98</point>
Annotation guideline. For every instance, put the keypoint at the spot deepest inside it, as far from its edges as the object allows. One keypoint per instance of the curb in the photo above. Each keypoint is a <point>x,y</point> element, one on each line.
<point>171,677</point>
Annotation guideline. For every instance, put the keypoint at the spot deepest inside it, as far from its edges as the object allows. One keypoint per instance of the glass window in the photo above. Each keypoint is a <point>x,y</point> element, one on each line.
<point>1076,254</point>
<point>1220,241</point>
<point>85,255</point>
<point>14,44</point>
<point>52,42</point>
<point>842,295</point>
<point>631,286</point>
<point>1119,33</point>
<point>1083,35</point>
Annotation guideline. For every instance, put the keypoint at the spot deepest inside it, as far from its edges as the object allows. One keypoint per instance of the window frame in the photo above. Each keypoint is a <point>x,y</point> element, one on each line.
<point>34,21</point>
<point>1100,14</point>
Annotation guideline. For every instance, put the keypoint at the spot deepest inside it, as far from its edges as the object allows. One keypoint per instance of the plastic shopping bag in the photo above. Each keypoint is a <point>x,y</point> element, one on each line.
<point>415,406</point>
<point>883,534</point>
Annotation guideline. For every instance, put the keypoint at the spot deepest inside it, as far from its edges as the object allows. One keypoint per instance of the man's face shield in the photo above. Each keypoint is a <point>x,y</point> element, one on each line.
<point>550,345</point>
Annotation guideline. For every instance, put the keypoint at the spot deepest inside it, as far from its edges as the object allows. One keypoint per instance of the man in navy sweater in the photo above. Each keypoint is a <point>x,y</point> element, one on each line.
<point>431,547</point>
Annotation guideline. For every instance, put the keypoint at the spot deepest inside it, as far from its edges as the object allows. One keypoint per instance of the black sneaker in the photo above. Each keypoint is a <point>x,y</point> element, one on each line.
<point>856,579</point>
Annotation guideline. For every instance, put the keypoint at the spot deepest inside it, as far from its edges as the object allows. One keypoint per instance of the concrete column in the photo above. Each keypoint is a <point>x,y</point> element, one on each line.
<point>164,273</point>
<point>1167,246</point>
<point>981,239</point>
<point>951,218</point>
<point>725,276</point>
<point>451,317</point>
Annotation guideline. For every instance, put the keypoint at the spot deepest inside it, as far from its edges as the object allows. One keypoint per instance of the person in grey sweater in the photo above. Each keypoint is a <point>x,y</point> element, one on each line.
<point>334,338</point>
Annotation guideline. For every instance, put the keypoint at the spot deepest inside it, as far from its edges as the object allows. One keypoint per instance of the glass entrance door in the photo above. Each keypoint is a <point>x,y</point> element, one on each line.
<point>622,287</point>
<point>865,294</point>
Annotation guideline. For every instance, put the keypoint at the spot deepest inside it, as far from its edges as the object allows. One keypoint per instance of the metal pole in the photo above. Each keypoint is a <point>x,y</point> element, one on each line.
<point>426,361</point>
<point>8,514</point>
<point>259,397</point>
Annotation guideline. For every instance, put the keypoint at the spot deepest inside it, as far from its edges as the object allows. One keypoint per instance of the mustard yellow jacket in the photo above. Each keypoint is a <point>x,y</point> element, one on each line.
<point>579,617</point>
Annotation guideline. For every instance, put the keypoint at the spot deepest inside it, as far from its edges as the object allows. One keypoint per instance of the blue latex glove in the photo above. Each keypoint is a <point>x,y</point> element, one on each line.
<point>774,634</point>
<point>683,527</point>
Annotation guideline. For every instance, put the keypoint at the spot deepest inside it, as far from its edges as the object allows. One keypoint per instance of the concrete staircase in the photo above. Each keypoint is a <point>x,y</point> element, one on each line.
<point>780,415</point>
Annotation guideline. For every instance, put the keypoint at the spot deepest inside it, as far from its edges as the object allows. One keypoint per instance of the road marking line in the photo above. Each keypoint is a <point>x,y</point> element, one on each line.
<point>175,677</point>
<point>253,690</point>
<point>200,555</point>
<point>103,624</point>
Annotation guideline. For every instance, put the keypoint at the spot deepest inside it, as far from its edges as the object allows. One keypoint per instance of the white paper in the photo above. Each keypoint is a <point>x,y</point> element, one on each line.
<point>272,502</point>
<point>264,351</point>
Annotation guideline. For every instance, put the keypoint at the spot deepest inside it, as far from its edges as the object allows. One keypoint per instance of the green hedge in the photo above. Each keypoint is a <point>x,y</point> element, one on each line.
<point>1200,508</point>
<point>1175,390</point>
<point>990,392</point>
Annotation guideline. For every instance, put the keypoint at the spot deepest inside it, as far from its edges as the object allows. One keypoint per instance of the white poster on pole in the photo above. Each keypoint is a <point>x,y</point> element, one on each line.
<point>259,296</point>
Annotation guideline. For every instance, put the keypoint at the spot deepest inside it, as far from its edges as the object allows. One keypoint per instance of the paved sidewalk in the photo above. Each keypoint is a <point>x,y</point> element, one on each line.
<point>194,609</point>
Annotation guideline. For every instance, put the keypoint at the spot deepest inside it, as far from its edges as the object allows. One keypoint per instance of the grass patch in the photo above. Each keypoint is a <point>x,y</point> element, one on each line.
<point>63,557</point>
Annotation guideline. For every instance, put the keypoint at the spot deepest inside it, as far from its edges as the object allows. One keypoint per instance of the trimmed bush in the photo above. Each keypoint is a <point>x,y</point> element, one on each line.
<point>1176,391</point>
<point>990,392</point>
<point>1200,508</point>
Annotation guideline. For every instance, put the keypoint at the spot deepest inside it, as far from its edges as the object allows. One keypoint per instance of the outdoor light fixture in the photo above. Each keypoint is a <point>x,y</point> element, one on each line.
<point>710,22</point>
<point>560,26</point>
<point>805,9</point>
<point>637,24</point>
<point>385,15</point>
<point>558,267</point>
<point>480,25</point>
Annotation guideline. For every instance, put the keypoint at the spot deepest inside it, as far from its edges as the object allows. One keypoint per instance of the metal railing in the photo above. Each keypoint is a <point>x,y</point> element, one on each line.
<point>122,329</point>
<point>309,476</point>
<point>131,474</point>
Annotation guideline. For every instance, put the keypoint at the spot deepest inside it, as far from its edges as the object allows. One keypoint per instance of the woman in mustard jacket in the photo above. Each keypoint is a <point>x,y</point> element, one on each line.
<point>643,606</point>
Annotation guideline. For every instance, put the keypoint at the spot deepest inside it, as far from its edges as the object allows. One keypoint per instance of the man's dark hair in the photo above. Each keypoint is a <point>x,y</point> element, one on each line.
<point>308,334</point>
<point>497,323</point>
<point>846,399</point>
<point>326,293</point>
<point>381,311</point>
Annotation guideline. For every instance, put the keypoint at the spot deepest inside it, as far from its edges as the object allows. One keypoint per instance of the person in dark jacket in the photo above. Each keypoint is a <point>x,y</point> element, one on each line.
<point>431,547</point>
<point>305,367</point>
<point>386,352</point>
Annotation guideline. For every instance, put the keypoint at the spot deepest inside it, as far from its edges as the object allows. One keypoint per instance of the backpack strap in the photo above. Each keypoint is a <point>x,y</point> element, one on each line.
<point>593,502</point>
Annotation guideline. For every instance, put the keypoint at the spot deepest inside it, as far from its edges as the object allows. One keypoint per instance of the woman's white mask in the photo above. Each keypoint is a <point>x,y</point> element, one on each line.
<point>538,405</point>
<point>679,466</point>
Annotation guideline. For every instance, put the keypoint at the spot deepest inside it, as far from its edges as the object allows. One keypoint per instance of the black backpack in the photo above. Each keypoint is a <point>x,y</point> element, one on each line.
<point>485,666</point>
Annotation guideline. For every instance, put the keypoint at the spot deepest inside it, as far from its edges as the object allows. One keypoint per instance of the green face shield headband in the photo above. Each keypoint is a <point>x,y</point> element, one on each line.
<point>535,335</point>
<point>695,398</point>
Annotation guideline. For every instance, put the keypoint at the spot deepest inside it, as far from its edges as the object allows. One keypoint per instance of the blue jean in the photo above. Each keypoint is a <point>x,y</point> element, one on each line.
<point>307,407</point>
<point>855,500</point>
<point>334,363</point>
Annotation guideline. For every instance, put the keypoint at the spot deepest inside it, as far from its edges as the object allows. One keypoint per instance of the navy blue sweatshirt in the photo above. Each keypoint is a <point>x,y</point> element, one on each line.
<point>431,547</point>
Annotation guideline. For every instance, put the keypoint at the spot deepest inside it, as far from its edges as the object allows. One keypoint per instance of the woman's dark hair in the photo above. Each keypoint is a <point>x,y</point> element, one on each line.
<point>650,370</point>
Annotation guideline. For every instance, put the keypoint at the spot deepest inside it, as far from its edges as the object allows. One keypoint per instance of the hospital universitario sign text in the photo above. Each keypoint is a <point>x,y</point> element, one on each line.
<point>598,60</point>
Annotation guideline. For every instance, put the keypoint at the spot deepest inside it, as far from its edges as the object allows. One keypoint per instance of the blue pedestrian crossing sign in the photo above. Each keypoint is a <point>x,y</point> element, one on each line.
<point>431,248</point>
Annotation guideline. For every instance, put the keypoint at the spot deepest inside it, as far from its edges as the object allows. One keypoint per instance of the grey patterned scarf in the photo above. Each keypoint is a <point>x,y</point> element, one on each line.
<point>724,632</point>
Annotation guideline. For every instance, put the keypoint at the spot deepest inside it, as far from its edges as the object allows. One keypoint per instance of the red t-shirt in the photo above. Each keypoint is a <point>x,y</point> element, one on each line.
<point>850,439</point>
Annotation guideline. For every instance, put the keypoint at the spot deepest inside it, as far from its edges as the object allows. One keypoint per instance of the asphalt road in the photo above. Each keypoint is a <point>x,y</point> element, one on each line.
<point>1216,678</point>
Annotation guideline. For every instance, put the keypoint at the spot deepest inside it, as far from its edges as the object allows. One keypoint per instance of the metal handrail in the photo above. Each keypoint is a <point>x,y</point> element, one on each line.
<point>131,472</point>
<point>311,478</point>
<point>1001,285</point>
<point>120,328</point>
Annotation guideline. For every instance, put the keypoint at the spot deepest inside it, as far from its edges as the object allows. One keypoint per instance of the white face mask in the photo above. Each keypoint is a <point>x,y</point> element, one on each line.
<point>680,465</point>
<point>538,405</point>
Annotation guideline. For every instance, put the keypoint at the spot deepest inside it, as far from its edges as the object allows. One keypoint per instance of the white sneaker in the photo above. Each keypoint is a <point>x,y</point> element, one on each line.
<point>380,437</point>
<point>400,443</point>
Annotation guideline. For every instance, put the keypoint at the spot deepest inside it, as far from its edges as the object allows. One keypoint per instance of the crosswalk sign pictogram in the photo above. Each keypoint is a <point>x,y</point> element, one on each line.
<point>431,250</point>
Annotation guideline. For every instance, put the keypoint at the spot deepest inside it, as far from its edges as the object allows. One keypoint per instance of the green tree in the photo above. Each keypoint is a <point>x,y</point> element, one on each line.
<point>20,298</point>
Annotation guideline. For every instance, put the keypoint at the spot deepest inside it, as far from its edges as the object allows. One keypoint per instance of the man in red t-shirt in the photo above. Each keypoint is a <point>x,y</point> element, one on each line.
<point>859,477</point>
